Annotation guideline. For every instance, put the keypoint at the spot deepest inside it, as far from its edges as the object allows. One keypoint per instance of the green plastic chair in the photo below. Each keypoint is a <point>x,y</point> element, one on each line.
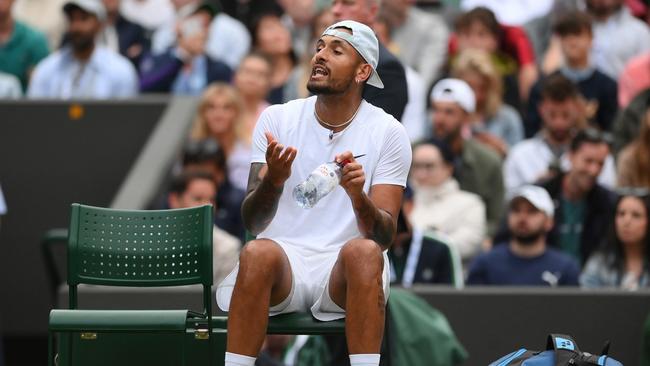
<point>137,249</point>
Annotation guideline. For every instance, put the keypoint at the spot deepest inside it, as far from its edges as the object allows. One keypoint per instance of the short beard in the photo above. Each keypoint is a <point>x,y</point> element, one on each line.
<point>562,137</point>
<point>528,239</point>
<point>320,90</point>
<point>449,138</point>
<point>327,89</point>
<point>81,44</point>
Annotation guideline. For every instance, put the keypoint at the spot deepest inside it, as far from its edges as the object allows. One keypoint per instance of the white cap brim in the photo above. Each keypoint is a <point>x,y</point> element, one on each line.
<point>375,80</point>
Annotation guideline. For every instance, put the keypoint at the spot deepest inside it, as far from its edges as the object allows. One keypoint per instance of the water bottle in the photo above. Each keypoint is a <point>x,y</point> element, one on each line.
<point>319,184</point>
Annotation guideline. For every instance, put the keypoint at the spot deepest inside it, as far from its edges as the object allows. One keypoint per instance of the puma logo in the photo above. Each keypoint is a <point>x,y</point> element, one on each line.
<point>551,278</point>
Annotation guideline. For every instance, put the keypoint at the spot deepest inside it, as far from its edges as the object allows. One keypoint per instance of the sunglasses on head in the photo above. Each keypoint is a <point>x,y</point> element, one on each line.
<point>633,191</point>
<point>596,135</point>
<point>201,150</point>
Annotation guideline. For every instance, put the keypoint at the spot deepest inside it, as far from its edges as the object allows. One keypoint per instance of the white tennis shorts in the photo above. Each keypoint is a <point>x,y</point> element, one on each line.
<point>310,285</point>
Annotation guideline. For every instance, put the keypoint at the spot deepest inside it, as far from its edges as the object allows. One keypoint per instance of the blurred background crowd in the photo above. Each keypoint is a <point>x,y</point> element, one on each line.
<point>496,96</point>
<point>530,120</point>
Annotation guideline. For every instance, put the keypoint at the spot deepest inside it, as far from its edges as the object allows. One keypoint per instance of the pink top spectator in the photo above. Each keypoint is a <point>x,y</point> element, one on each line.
<point>634,79</point>
<point>514,42</point>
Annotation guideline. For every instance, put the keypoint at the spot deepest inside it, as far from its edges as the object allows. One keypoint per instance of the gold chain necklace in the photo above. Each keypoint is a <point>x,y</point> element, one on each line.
<point>332,127</point>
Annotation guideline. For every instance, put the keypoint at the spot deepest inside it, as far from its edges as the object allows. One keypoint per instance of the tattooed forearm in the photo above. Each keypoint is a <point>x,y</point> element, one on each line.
<point>374,223</point>
<point>261,202</point>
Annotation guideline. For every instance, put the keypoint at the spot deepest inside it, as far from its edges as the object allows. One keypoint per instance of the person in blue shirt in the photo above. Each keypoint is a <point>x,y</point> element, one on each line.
<point>185,69</point>
<point>526,260</point>
<point>84,69</point>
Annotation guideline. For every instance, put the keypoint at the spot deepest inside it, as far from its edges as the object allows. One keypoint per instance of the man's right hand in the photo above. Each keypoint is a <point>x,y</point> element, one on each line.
<point>278,161</point>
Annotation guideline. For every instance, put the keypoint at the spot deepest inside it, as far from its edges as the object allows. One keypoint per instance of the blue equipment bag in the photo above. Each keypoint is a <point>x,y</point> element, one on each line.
<point>561,350</point>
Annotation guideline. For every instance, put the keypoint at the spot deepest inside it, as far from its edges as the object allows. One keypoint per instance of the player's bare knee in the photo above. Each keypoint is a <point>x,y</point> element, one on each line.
<point>261,255</point>
<point>363,255</point>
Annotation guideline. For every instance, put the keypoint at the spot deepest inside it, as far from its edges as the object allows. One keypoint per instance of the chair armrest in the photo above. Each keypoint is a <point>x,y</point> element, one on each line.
<point>51,238</point>
<point>63,320</point>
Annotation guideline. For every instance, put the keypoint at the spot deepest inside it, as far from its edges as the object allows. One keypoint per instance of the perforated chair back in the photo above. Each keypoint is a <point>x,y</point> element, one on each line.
<point>140,248</point>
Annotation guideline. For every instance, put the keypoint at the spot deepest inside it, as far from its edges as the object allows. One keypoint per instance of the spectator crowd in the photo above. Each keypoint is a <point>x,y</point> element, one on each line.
<point>530,125</point>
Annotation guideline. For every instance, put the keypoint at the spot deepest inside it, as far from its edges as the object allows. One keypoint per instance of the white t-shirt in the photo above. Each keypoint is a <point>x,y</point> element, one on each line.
<point>331,222</point>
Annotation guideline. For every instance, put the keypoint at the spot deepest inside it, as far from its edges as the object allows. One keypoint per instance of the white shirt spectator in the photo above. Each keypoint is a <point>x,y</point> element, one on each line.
<point>617,40</point>
<point>414,117</point>
<point>422,41</point>
<point>150,14</point>
<point>529,160</point>
<point>9,86</point>
<point>228,40</point>
<point>512,12</point>
<point>459,215</point>
<point>105,75</point>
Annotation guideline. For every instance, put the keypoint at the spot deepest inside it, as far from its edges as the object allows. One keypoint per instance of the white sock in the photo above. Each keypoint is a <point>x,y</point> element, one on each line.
<point>369,359</point>
<point>233,359</point>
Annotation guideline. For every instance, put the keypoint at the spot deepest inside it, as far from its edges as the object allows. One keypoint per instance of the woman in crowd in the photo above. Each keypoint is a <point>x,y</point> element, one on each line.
<point>440,205</point>
<point>623,261</point>
<point>634,159</point>
<point>494,123</point>
<point>272,38</point>
<point>220,116</point>
<point>508,46</point>
<point>253,82</point>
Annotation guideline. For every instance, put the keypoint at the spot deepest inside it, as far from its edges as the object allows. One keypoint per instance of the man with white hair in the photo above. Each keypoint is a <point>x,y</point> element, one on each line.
<point>526,260</point>
<point>477,167</point>
<point>330,259</point>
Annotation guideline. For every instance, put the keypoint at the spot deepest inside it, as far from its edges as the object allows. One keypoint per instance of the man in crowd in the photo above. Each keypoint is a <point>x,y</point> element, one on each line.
<point>543,155</point>
<point>584,208</point>
<point>420,36</point>
<point>227,38</point>
<point>477,167</point>
<point>84,69</point>
<point>526,260</point>
<point>574,31</point>
<point>185,69</point>
<point>123,36</point>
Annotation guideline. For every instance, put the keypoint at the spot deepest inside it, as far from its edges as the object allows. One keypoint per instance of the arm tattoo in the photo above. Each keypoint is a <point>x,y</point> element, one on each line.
<point>261,202</point>
<point>374,223</point>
